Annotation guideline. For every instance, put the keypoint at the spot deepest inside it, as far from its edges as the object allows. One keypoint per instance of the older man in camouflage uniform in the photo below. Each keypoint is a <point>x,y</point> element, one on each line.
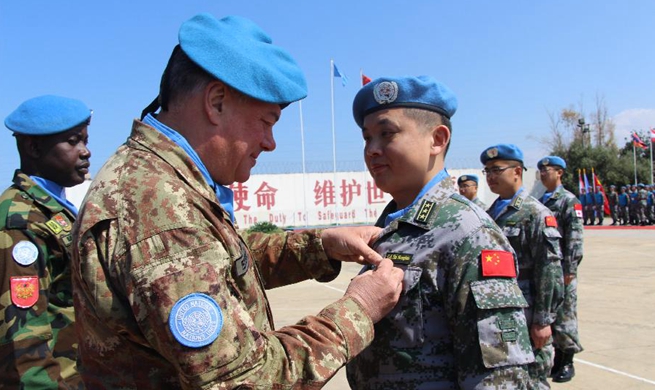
<point>568,211</point>
<point>168,294</point>
<point>532,231</point>
<point>460,322</point>
<point>38,346</point>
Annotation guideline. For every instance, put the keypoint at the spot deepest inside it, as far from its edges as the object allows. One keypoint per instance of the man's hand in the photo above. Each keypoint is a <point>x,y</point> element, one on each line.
<point>352,244</point>
<point>568,278</point>
<point>540,335</point>
<point>377,290</point>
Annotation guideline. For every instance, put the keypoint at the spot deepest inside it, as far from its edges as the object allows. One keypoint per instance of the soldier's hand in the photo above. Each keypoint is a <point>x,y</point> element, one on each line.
<point>377,290</point>
<point>352,244</point>
<point>540,335</point>
<point>568,278</point>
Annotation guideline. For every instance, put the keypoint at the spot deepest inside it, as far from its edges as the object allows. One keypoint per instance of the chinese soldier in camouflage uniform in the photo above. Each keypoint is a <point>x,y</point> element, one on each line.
<point>532,231</point>
<point>459,323</point>
<point>167,294</point>
<point>568,211</point>
<point>38,347</point>
<point>624,201</point>
<point>468,187</point>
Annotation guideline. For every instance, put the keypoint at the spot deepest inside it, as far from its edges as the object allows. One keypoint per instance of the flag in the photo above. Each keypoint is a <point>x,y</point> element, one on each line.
<point>498,263</point>
<point>344,79</point>
<point>586,182</point>
<point>652,135</point>
<point>366,80</point>
<point>636,141</point>
<point>580,182</point>
<point>599,186</point>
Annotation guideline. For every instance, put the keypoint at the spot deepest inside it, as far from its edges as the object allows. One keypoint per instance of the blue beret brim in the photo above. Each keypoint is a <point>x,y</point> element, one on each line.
<point>46,115</point>
<point>236,51</point>
<point>422,92</point>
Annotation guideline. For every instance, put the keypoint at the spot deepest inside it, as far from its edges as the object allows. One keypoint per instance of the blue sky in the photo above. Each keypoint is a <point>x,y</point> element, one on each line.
<point>509,63</point>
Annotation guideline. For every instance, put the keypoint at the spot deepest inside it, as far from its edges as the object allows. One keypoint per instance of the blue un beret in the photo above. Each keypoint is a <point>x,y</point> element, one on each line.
<point>422,92</point>
<point>236,51</point>
<point>502,152</point>
<point>551,161</point>
<point>48,114</point>
<point>464,178</point>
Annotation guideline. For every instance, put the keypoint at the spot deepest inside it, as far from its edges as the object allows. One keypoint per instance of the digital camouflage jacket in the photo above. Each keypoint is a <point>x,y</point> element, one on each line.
<point>532,231</point>
<point>568,211</point>
<point>38,347</point>
<point>169,295</point>
<point>459,323</point>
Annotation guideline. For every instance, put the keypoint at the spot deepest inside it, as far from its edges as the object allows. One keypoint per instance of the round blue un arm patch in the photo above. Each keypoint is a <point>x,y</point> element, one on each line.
<point>196,320</point>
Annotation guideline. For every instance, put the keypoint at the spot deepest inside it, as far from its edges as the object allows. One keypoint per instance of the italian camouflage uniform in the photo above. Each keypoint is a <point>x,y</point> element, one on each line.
<point>453,327</point>
<point>567,210</point>
<point>38,347</point>
<point>536,243</point>
<point>151,232</point>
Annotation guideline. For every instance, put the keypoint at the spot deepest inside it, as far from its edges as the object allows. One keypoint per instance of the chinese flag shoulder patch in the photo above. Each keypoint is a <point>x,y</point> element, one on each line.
<point>551,221</point>
<point>498,263</point>
<point>24,291</point>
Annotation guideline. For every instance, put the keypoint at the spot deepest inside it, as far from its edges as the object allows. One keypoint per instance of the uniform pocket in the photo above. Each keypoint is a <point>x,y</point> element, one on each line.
<point>502,329</point>
<point>407,316</point>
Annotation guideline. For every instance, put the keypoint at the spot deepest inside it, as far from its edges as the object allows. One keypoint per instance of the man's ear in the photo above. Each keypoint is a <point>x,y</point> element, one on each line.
<point>440,139</point>
<point>30,146</point>
<point>215,94</point>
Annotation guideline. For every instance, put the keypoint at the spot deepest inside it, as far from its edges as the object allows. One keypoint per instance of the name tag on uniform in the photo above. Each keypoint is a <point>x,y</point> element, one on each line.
<point>399,258</point>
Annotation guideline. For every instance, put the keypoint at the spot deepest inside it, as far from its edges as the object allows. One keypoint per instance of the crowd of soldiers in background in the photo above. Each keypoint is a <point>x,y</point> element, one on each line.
<point>632,205</point>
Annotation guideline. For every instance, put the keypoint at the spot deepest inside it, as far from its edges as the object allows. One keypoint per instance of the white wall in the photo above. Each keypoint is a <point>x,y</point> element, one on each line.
<point>317,199</point>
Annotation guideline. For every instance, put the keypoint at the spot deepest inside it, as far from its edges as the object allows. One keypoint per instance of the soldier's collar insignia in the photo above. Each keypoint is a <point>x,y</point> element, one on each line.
<point>518,201</point>
<point>196,320</point>
<point>24,291</point>
<point>399,258</point>
<point>423,214</point>
<point>61,221</point>
<point>385,92</point>
<point>25,253</point>
<point>492,153</point>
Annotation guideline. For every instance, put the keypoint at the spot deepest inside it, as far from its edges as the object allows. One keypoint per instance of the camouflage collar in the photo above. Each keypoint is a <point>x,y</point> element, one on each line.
<point>425,210</point>
<point>146,137</point>
<point>38,194</point>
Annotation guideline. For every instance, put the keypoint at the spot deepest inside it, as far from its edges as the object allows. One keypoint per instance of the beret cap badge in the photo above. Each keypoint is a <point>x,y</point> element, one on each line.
<point>545,161</point>
<point>492,153</point>
<point>386,92</point>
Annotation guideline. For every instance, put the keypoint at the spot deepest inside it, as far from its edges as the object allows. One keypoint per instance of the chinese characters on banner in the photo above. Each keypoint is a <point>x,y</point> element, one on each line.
<point>344,198</point>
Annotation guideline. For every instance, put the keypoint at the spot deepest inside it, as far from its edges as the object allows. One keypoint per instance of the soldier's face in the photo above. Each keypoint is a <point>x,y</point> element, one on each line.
<point>398,153</point>
<point>507,180</point>
<point>469,189</point>
<point>248,131</point>
<point>64,157</point>
<point>549,177</point>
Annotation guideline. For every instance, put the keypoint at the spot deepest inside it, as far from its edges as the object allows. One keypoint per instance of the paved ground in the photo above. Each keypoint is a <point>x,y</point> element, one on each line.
<point>616,309</point>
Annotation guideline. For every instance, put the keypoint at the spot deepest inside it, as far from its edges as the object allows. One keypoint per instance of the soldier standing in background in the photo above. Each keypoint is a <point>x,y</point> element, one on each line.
<point>468,187</point>
<point>613,199</point>
<point>634,205</point>
<point>532,231</point>
<point>599,205</point>
<point>624,202</point>
<point>38,346</point>
<point>568,211</point>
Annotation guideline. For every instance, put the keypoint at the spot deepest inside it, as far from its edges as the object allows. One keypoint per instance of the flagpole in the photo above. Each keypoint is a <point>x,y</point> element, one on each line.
<point>651,157</point>
<point>334,139</point>
<point>634,160</point>
<point>304,171</point>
